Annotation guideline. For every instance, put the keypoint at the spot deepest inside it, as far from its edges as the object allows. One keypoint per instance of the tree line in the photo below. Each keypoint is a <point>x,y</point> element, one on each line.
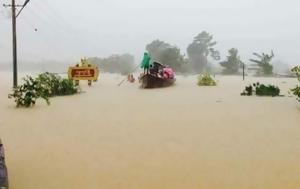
<point>123,64</point>
<point>200,52</point>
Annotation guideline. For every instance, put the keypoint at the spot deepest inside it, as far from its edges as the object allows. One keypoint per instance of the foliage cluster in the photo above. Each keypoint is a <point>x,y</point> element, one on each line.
<point>58,86</point>
<point>46,85</point>
<point>261,90</point>
<point>296,90</point>
<point>25,95</point>
<point>206,80</point>
<point>233,62</point>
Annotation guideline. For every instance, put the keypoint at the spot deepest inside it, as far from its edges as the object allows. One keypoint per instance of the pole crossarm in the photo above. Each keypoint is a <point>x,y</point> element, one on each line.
<point>9,5</point>
<point>22,7</point>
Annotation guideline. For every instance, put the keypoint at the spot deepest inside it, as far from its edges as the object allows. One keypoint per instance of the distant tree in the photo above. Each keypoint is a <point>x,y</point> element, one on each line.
<point>264,62</point>
<point>123,64</point>
<point>233,62</point>
<point>156,47</point>
<point>199,50</point>
<point>165,53</point>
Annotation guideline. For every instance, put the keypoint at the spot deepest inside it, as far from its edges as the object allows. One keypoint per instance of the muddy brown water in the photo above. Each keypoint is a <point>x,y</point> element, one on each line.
<point>180,137</point>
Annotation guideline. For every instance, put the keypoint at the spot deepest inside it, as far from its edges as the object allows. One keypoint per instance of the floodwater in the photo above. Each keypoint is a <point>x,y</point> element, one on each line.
<point>184,136</point>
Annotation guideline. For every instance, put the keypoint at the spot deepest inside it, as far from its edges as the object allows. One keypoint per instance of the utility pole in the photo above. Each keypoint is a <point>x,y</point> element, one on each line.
<point>243,72</point>
<point>14,38</point>
<point>14,34</point>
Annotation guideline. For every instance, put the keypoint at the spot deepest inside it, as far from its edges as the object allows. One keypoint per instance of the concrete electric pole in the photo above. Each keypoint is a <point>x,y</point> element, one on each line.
<point>14,37</point>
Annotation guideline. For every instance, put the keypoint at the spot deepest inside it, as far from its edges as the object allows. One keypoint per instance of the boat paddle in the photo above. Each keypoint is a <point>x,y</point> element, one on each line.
<point>129,73</point>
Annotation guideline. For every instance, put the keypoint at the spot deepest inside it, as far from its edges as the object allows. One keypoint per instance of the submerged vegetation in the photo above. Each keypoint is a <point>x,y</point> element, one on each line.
<point>266,90</point>
<point>25,95</point>
<point>46,85</point>
<point>296,90</point>
<point>261,90</point>
<point>58,86</point>
<point>206,80</point>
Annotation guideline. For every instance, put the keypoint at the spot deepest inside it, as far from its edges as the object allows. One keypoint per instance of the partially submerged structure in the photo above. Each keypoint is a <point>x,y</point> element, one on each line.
<point>84,71</point>
<point>3,169</point>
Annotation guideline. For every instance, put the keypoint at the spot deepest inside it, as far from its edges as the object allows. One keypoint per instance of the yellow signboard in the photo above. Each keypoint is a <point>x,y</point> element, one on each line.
<point>84,71</point>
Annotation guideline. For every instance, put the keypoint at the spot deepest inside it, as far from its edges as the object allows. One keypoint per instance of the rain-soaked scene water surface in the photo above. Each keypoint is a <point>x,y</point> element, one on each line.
<point>149,94</point>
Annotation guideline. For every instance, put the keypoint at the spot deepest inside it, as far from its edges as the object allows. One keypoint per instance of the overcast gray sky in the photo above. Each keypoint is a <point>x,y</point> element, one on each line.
<point>68,30</point>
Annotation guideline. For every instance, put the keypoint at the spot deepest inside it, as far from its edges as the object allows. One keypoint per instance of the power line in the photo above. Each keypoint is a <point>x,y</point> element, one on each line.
<point>47,6</point>
<point>45,16</point>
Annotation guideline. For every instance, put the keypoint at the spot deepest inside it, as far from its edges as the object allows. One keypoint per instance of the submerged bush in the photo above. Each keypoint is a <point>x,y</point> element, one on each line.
<point>296,90</point>
<point>206,80</point>
<point>26,95</point>
<point>261,90</point>
<point>266,90</point>
<point>66,87</point>
<point>46,85</point>
<point>57,85</point>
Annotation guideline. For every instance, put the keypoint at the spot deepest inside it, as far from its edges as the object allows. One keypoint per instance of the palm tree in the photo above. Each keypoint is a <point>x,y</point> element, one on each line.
<point>264,62</point>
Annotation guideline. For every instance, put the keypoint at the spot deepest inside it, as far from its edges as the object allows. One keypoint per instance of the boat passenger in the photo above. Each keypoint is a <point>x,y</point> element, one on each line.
<point>146,63</point>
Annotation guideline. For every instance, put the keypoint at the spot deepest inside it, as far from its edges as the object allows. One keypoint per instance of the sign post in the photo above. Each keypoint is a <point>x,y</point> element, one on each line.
<point>84,71</point>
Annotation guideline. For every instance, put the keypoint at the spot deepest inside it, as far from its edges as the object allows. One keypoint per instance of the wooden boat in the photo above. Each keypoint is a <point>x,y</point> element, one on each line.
<point>3,169</point>
<point>154,77</point>
<point>152,81</point>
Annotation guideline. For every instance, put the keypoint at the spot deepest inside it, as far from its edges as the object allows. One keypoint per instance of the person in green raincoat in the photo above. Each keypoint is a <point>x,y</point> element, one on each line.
<point>146,62</point>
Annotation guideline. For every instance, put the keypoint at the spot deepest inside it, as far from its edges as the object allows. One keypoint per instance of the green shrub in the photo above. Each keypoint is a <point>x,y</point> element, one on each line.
<point>266,90</point>
<point>206,80</point>
<point>261,90</point>
<point>46,85</point>
<point>296,90</point>
<point>57,85</point>
<point>66,87</point>
<point>26,95</point>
